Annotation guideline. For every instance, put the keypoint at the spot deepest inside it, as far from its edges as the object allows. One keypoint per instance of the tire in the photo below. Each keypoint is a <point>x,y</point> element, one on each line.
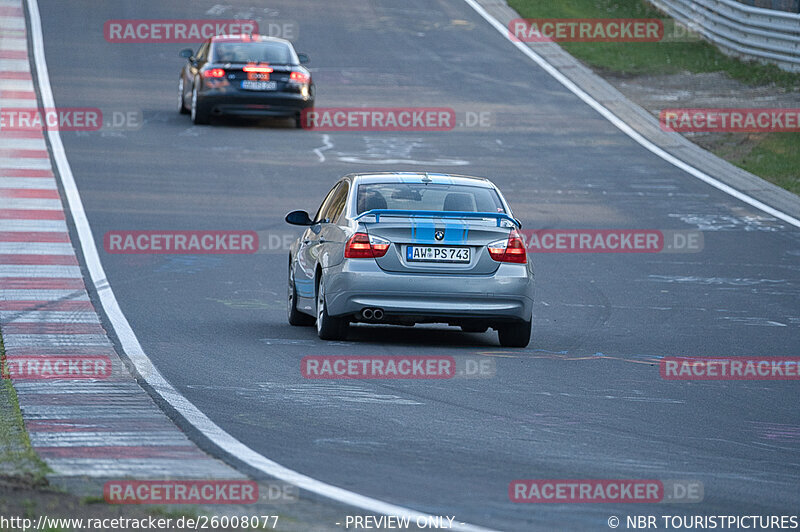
<point>298,121</point>
<point>328,327</point>
<point>200,114</point>
<point>296,318</point>
<point>181,104</point>
<point>515,335</point>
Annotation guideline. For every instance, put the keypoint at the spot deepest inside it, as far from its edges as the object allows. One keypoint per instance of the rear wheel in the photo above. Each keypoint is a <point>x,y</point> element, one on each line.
<point>515,335</point>
<point>181,104</point>
<point>298,120</point>
<point>296,317</point>
<point>200,114</point>
<point>328,327</point>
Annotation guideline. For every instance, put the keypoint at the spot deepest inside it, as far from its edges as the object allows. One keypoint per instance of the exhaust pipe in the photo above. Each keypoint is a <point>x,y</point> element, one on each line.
<point>371,314</point>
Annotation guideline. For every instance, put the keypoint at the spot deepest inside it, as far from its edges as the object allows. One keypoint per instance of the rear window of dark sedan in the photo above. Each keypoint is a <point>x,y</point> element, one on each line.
<point>253,52</point>
<point>432,197</point>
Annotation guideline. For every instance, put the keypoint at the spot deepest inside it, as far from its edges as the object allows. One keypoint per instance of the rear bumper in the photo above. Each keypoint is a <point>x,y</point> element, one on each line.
<point>506,295</point>
<point>246,103</point>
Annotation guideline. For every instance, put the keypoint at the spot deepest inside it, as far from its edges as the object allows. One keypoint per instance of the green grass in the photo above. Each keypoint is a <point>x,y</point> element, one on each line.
<point>93,499</point>
<point>649,58</point>
<point>777,155</point>
<point>772,156</point>
<point>16,453</point>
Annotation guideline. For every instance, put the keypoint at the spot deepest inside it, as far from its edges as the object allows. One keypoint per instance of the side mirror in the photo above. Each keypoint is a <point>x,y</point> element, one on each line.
<point>187,53</point>
<point>299,218</point>
<point>303,58</point>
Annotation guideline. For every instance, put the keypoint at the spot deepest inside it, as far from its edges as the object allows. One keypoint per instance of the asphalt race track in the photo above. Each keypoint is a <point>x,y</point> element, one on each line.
<point>584,400</point>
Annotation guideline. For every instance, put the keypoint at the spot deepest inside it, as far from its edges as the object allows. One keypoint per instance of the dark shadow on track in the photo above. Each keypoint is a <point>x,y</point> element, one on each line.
<point>253,122</point>
<point>420,336</point>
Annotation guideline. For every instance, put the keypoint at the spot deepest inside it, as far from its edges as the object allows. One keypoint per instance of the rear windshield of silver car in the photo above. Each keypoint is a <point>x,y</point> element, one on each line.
<point>430,197</point>
<point>254,52</point>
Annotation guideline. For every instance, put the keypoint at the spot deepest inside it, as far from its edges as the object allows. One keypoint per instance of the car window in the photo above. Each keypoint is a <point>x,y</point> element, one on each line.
<point>254,52</point>
<point>323,207</point>
<point>337,203</point>
<point>202,51</point>
<point>432,197</point>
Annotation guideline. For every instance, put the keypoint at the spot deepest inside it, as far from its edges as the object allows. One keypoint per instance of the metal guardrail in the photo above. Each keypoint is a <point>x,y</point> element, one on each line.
<point>792,6</point>
<point>740,30</point>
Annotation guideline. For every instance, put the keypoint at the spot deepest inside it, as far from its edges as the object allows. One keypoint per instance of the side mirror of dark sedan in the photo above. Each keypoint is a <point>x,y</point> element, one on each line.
<point>299,218</point>
<point>303,58</point>
<point>187,53</point>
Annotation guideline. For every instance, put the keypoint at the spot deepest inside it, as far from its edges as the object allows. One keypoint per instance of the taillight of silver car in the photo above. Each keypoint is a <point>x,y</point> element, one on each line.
<point>509,250</point>
<point>364,246</point>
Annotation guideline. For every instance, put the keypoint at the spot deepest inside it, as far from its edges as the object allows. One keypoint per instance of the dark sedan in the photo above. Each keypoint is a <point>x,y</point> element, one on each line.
<point>245,75</point>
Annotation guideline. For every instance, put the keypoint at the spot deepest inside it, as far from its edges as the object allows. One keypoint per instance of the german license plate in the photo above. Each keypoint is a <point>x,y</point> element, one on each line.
<point>436,254</point>
<point>251,85</point>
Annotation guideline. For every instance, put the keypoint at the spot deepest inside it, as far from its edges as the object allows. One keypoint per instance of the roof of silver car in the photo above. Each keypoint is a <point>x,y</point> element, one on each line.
<point>420,177</point>
<point>247,37</point>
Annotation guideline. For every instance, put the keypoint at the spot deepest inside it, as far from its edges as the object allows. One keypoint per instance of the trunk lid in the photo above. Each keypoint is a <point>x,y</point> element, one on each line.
<point>419,233</point>
<point>236,73</point>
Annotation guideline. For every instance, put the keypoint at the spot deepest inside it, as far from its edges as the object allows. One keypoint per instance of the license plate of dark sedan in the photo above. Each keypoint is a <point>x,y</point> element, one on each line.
<point>251,85</point>
<point>437,254</point>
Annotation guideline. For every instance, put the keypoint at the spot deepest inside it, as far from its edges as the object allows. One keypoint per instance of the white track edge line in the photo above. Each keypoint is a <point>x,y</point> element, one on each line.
<point>144,365</point>
<point>624,127</point>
